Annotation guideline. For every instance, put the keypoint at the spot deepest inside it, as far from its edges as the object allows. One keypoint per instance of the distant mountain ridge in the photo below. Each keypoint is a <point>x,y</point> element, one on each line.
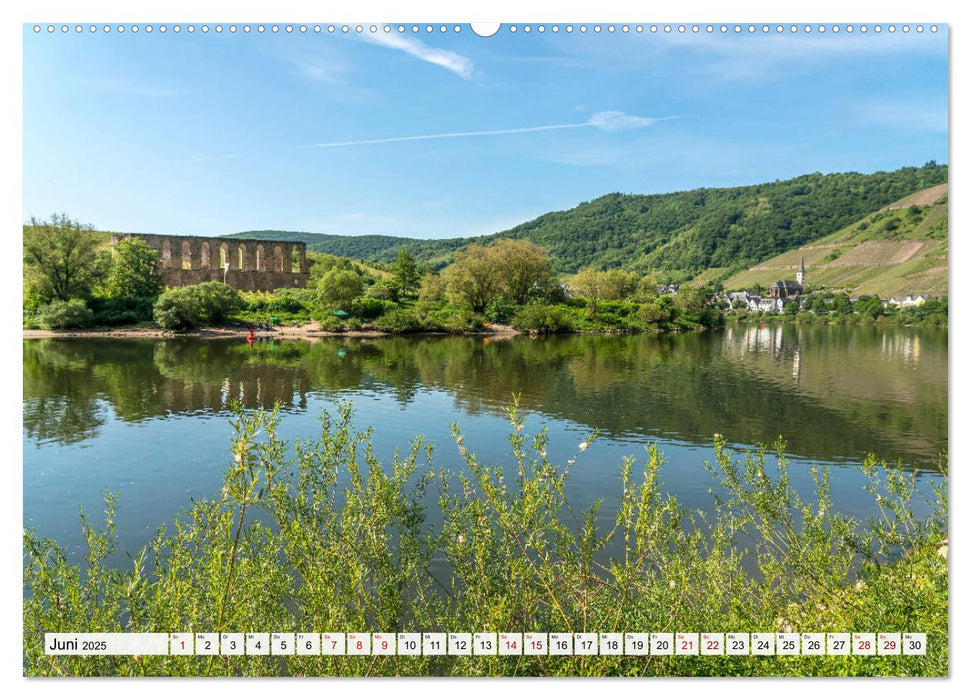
<point>683,233</point>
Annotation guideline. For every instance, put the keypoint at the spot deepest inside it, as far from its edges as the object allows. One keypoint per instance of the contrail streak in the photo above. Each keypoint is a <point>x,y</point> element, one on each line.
<point>452,135</point>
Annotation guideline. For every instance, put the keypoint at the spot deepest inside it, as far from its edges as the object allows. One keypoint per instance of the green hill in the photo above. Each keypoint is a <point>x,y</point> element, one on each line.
<point>380,249</point>
<point>898,250</point>
<point>684,233</point>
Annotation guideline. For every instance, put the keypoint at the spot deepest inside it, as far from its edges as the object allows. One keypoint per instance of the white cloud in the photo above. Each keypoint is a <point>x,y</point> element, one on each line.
<point>449,60</point>
<point>618,121</point>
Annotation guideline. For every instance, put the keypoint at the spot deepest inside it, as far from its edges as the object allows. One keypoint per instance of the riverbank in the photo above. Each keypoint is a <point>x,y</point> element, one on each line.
<point>306,331</point>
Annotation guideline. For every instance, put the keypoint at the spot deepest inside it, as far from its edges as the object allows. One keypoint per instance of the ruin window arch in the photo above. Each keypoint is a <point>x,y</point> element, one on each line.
<point>223,256</point>
<point>260,261</point>
<point>278,259</point>
<point>204,255</point>
<point>241,252</point>
<point>186,255</point>
<point>295,259</point>
<point>166,253</point>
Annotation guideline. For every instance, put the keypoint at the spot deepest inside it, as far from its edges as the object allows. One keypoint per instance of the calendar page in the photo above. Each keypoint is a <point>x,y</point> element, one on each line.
<point>516,349</point>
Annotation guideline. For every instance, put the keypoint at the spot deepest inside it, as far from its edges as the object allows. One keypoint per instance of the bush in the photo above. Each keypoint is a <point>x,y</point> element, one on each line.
<point>398,321</point>
<point>542,318</point>
<point>338,288</point>
<point>286,304</point>
<point>117,311</point>
<point>453,319</point>
<point>653,313</point>
<point>178,309</point>
<point>499,310</point>
<point>617,308</point>
<point>384,290</point>
<point>217,301</point>
<point>64,314</point>
<point>286,300</point>
<point>369,308</point>
<point>185,307</point>
<point>332,324</point>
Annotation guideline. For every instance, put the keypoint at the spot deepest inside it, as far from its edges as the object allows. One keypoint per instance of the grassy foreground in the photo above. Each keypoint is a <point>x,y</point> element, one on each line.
<point>318,536</point>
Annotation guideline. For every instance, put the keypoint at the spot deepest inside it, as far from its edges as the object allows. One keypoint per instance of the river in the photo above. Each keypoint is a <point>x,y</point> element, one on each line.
<point>149,419</point>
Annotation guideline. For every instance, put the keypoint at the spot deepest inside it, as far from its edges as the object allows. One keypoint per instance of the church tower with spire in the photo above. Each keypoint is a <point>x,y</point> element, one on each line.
<point>801,275</point>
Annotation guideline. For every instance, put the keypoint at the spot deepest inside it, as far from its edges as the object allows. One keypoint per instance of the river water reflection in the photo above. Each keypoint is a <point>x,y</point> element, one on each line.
<point>148,418</point>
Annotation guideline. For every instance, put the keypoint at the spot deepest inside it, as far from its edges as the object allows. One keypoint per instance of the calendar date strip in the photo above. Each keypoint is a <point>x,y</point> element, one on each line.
<point>488,644</point>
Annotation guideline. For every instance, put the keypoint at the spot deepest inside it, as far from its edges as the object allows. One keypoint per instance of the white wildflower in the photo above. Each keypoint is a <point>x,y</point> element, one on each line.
<point>460,539</point>
<point>583,445</point>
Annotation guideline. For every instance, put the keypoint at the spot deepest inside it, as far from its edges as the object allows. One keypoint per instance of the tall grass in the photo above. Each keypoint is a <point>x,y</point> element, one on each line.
<point>317,535</point>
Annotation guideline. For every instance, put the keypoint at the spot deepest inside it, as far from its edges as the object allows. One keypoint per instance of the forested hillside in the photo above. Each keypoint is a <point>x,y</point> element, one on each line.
<point>901,249</point>
<point>682,233</point>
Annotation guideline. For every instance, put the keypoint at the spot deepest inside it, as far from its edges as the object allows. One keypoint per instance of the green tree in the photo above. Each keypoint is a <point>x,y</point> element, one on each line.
<point>519,266</point>
<point>472,278</point>
<point>691,302</point>
<point>217,301</point>
<point>322,263</point>
<point>602,285</point>
<point>432,288</point>
<point>386,290</point>
<point>791,308</point>
<point>406,274</point>
<point>842,304</point>
<point>134,271</point>
<point>869,306</point>
<point>337,288</point>
<point>61,259</point>
<point>588,283</point>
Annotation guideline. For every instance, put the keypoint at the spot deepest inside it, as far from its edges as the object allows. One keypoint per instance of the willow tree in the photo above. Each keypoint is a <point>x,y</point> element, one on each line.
<point>520,265</point>
<point>508,268</point>
<point>472,278</point>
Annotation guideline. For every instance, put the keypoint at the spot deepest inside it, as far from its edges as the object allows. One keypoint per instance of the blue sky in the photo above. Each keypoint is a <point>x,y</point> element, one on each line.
<point>210,134</point>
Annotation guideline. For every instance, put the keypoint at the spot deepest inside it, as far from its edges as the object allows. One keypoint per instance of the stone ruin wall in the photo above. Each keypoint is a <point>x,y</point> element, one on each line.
<point>254,265</point>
